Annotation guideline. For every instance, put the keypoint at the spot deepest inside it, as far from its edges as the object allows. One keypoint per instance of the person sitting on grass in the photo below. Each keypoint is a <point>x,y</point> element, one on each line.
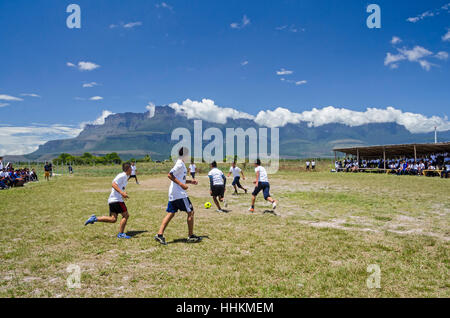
<point>116,202</point>
<point>236,171</point>
<point>217,182</point>
<point>261,183</point>
<point>178,198</point>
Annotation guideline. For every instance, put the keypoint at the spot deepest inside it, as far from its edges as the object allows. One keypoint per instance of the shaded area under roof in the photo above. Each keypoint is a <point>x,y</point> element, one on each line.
<point>406,150</point>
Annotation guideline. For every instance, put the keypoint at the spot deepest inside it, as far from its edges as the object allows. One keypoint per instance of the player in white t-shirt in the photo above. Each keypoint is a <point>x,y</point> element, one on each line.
<point>116,204</point>
<point>262,183</point>
<point>133,172</point>
<point>178,198</point>
<point>217,182</point>
<point>192,168</point>
<point>236,171</point>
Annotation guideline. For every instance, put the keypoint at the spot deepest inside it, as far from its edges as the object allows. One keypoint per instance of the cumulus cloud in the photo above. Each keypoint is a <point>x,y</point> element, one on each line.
<point>99,120</point>
<point>416,54</point>
<point>19,140</point>
<point>430,13</point>
<point>96,98</point>
<point>30,95</point>
<point>10,98</point>
<point>446,36</point>
<point>91,84</point>
<point>240,25</point>
<point>207,110</point>
<point>415,123</point>
<point>84,66</point>
<point>151,109</point>
<point>395,40</point>
<point>441,55</point>
<point>284,72</point>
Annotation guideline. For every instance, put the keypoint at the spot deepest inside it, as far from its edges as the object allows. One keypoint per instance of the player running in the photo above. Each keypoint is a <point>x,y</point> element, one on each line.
<point>192,168</point>
<point>116,204</point>
<point>262,183</point>
<point>178,199</point>
<point>217,182</point>
<point>236,171</point>
<point>133,173</point>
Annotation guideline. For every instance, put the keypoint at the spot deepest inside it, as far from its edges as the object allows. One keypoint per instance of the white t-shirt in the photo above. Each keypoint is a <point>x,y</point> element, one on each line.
<point>262,174</point>
<point>313,163</point>
<point>121,179</point>
<point>236,171</point>
<point>192,167</point>
<point>133,170</point>
<point>1,165</point>
<point>179,171</point>
<point>217,176</point>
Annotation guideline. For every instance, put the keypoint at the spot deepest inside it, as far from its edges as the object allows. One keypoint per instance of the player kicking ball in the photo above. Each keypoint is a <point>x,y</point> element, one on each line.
<point>236,171</point>
<point>116,204</point>
<point>217,182</point>
<point>262,183</point>
<point>178,199</point>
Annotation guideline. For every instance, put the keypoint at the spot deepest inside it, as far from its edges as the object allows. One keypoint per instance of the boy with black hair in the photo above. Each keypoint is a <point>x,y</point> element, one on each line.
<point>262,183</point>
<point>133,173</point>
<point>236,171</point>
<point>116,204</point>
<point>178,198</point>
<point>217,182</point>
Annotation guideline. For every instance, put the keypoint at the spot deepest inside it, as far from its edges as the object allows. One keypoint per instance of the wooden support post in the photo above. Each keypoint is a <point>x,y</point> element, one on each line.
<point>384,158</point>
<point>357,155</point>
<point>415,154</point>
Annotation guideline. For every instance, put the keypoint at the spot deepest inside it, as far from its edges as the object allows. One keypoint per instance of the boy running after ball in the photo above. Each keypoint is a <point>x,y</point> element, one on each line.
<point>178,199</point>
<point>262,183</point>
<point>236,171</point>
<point>116,204</point>
<point>217,182</point>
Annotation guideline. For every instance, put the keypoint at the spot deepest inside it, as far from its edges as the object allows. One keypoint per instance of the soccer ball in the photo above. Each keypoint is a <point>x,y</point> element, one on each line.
<point>207,205</point>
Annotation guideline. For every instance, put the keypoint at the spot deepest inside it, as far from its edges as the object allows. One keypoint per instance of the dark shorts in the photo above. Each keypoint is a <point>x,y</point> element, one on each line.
<point>193,175</point>
<point>265,187</point>
<point>218,190</point>
<point>236,182</point>
<point>132,176</point>
<point>179,205</point>
<point>117,208</point>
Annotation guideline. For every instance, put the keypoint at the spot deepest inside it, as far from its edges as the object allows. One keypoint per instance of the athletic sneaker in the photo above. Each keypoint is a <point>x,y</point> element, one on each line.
<point>160,239</point>
<point>91,220</point>
<point>194,238</point>
<point>219,210</point>
<point>251,209</point>
<point>274,205</point>
<point>123,236</point>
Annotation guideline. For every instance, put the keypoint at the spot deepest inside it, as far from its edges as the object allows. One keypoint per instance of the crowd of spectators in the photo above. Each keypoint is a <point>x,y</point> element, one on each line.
<point>436,164</point>
<point>10,177</point>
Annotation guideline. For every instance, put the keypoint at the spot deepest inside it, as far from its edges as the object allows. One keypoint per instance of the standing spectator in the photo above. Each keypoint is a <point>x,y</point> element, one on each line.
<point>313,164</point>
<point>1,163</point>
<point>47,171</point>
<point>307,165</point>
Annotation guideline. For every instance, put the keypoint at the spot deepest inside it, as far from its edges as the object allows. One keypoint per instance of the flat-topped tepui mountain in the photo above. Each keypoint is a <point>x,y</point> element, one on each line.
<point>138,134</point>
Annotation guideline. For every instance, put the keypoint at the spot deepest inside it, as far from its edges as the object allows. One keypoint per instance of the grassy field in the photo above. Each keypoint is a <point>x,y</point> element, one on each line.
<point>328,229</point>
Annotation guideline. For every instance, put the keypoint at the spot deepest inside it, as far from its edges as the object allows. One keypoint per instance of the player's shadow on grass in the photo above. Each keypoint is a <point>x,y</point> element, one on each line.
<point>270,212</point>
<point>184,240</point>
<point>135,233</point>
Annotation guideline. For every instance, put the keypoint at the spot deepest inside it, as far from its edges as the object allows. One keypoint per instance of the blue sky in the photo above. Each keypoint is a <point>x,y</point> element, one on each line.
<point>227,51</point>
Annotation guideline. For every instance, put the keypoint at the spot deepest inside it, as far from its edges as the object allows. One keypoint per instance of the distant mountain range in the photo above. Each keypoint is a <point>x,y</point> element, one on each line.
<point>138,134</point>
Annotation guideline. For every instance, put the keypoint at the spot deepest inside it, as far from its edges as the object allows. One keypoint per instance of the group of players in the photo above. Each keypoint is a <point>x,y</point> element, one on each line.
<point>178,198</point>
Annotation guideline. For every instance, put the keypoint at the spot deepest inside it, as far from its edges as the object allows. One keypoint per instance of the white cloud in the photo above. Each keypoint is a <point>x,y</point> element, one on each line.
<point>207,110</point>
<point>164,5</point>
<point>96,98</point>
<point>446,36</point>
<point>19,140</point>
<point>91,84</point>
<point>290,28</point>
<point>415,123</point>
<point>244,63</point>
<point>245,21</point>
<point>30,95</point>
<point>9,98</point>
<point>131,25</point>
<point>151,109</point>
<point>84,66</point>
<point>395,40</point>
<point>301,82</point>
<point>284,72</point>
<point>442,55</point>
<point>430,13</point>
<point>3,105</point>
<point>416,54</point>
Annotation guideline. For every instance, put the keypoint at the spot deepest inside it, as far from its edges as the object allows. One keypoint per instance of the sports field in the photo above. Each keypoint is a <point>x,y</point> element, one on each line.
<point>327,230</point>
